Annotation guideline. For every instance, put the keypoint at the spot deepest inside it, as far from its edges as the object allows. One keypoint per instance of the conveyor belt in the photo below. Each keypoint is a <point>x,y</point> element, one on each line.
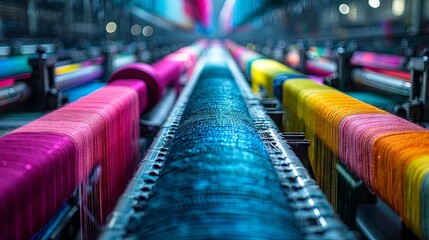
<point>220,169</point>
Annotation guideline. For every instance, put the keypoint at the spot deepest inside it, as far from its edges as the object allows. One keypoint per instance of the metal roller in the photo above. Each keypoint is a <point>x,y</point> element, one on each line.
<point>381,82</point>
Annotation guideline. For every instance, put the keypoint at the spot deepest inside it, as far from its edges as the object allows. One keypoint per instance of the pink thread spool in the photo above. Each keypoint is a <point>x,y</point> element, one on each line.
<point>189,56</point>
<point>145,72</point>
<point>35,182</point>
<point>44,161</point>
<point>238,52</point>
<point>139,86</point>
<point>377,60</point>
<point>164,73</point>
<point>321,68</point>
<point>357,135</point>
<point>169,69</point>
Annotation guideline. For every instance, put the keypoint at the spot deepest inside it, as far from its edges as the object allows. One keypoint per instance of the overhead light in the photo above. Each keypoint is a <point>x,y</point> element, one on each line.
<point>398,7</point>
<point>111,27</point>
<point>147,31</point>
<point>344,8</point>
<point>374,3</point>
<point>136,29</point>
<point>353,14</point>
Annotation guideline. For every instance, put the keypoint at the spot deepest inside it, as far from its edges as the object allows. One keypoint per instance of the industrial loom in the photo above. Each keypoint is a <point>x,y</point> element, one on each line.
<point>218,167</point>
<point>73,162</point>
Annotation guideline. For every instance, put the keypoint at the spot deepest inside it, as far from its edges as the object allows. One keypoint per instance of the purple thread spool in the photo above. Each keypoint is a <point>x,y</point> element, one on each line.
<point>35,182</point>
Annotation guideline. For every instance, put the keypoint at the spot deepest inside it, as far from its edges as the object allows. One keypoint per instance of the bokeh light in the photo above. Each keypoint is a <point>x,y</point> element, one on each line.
<point>111,27</point>
<point>344,8</point>
<point>136,29</point>
<point>374,3</point>
<point>147,31</point>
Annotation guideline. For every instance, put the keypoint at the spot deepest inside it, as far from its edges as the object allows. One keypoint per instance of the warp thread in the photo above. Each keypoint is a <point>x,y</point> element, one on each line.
<point>390,154</point>
<point>375,145</point>
<point>100,130</point>
<point>217,181</point>
<point>97,136</point>
<point>280,79</point>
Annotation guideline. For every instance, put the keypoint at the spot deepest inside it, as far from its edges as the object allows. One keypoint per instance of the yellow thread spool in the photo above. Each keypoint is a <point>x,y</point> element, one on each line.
<point>414,174</point>
<point>318,110</point>
<point>401,159</point>
<point>263,72</point>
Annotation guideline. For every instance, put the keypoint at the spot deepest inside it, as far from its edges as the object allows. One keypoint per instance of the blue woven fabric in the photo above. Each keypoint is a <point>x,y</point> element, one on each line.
<point>217,181</point>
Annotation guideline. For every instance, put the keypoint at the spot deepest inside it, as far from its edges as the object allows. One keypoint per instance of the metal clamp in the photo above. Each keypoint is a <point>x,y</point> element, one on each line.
<point>44,94</point>
<point>417,107</point>
<point>342,79</point>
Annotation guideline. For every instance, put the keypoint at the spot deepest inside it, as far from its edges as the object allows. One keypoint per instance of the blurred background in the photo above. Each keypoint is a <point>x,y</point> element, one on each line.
<point>84,23</point>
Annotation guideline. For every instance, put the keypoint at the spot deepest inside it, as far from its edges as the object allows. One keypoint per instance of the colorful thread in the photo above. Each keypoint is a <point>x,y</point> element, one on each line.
<point>390,154</point>
<point>263,71</point>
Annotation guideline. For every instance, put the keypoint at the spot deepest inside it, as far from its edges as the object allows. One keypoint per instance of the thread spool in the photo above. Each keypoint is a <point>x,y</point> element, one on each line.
<point>319,110</point>
<point>78,77</point>
<point>280,79</point>
<point>263,72</point>
<point>140,88</point>
<point>358,134</point>
<point>377,60</point>
<point>146,73</point>
<point>400,74</point>
<point>325,113</point>
<point>322,67</point>
<point>190,56</point>
<point>29,196</point>
<point>416,188</point>
<point>14,66</point>
<point>93,133</point>
<point>63,149</point>
<point>396,155</point>
<point>372,133</point>
<point>158,77</point>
